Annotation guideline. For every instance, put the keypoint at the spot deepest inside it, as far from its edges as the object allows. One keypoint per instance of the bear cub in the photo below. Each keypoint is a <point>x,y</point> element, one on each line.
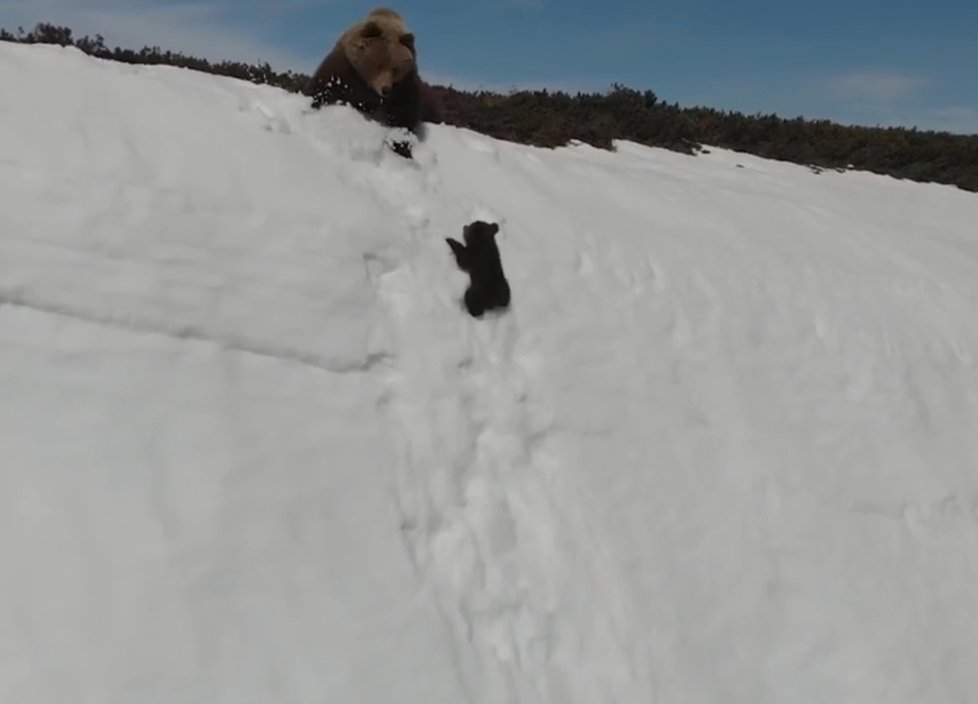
<point>479,257</point>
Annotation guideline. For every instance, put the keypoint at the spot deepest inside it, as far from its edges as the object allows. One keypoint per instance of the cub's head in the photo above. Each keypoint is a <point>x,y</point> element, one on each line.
<point>381,49</point>
<point>479,234</point>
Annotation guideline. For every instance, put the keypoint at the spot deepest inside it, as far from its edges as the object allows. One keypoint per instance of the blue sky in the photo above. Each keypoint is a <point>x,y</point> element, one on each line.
<point>860,61</point>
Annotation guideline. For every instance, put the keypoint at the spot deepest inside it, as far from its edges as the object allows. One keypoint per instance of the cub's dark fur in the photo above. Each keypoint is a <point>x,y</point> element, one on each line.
<point>479,257</point>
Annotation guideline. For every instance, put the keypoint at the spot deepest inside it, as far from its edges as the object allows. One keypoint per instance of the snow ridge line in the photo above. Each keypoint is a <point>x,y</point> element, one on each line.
<point>225,341</point>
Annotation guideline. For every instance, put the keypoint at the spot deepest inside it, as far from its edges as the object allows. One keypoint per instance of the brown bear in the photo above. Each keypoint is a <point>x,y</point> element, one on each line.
<point>374,68</point>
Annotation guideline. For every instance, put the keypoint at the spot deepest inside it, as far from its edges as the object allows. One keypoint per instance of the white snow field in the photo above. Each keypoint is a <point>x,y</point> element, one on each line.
<point>723,449</point>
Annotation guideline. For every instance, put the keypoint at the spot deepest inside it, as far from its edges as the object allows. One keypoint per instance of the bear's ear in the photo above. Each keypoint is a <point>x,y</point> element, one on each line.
<point>408,40</point>
<point>371,30</point>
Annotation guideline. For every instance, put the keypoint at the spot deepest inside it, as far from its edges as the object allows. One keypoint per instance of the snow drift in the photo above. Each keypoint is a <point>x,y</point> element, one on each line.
<point>724,448</point>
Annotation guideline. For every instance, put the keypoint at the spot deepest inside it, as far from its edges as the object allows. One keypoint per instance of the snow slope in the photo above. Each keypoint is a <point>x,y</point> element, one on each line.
<point>723,449</point>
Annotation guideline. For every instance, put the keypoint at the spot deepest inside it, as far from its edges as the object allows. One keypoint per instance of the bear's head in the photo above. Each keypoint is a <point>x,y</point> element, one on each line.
<point>381,50</point>
<point>479,234</point>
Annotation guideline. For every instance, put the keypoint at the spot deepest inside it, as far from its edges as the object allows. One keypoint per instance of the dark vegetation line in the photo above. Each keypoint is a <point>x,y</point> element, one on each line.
<point>551,119</point>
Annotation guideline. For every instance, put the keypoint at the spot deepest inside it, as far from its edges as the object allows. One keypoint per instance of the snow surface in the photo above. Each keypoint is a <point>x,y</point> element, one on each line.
<point>724,448</point>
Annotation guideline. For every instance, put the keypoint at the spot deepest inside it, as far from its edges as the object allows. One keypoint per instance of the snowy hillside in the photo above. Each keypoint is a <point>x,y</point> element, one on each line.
<point>724,448</point>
